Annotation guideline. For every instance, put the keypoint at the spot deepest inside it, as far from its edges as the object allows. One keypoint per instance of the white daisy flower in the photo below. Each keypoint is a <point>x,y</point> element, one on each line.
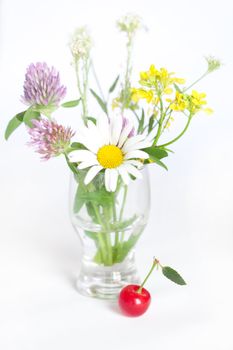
<point>110,148</point>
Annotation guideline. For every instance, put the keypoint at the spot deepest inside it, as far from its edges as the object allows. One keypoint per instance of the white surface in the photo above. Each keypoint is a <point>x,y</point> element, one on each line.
<point>191,222</point>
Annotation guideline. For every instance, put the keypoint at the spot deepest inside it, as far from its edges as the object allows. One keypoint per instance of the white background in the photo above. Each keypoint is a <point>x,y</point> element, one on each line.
<point>191,217</point>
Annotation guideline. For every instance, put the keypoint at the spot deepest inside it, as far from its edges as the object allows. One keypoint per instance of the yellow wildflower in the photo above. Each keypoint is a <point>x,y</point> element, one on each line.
<point>179,80</point>
<point>144,76</point>
<point>180,103</point>
<point>168,91</point>
<point>197,100</point>
<point>160,79</point>
<point>208,111</point>
<point>138,94</point>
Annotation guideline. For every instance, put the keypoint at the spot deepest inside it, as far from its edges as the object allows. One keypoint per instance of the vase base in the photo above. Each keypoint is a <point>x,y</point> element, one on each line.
<point>106,282</point>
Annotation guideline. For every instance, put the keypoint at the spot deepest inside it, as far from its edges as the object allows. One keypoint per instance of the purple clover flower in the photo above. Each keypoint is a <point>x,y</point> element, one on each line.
<point>49,138</point>
<point>42,86</point>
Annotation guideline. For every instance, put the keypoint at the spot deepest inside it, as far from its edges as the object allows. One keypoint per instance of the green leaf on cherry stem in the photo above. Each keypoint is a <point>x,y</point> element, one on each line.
<point>173,275</point>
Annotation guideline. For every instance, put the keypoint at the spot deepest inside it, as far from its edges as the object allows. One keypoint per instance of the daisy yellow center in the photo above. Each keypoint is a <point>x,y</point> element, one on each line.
<point>110,156</point>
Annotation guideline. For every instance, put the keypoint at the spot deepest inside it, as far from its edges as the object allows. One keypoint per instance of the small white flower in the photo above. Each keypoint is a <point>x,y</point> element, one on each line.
<point>80,43</point>
<point>213,63</point>
<point>110,148</point>
<point>129,23</point>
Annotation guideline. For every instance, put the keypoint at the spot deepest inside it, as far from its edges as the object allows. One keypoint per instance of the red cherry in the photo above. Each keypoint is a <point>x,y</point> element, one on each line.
<point>133,303</point>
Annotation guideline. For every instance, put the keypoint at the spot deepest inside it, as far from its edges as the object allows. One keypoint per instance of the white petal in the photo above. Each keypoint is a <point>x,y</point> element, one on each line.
<point>104,128</point>
<point>136,154</point>
<point>81,155</point>
<point>132,141</point>
<point>89,142</point>
<point>125,132</point>
<point>124,174</point>
<point>134,162</point>
<point>92,172</point>
<point>133,171</point>
<point>107,180</point>
<point>116,127</point>
<point>95,139</point>
<point>139,145</point>
<point>87,164</point>
<point>85,137</point>
<point>113,175</point>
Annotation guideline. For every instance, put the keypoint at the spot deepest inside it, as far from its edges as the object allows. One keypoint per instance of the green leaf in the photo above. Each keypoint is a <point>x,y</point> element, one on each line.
<point>45,110</point>
<point>77,145</point>
<point>156,152</point>
<point>151,123</point>
<point>141,122</point>
<point>72,166</point>
<point>29,115</point>
<point>91,212</point>
<point>72,103</point>
<point>13,124</point>
<point>98,257</point>
<point>92,235</point>
<point>113,86</point>
<point>122,225</point>
<point>100,101</point>
<point>92,119</point>
<point>168,150</point>
<point>101,197</point>
<point>125,247</point>
<point>158,162</point>
<point>177,88</point>
<point>78,200</point>
<point>173,275</point>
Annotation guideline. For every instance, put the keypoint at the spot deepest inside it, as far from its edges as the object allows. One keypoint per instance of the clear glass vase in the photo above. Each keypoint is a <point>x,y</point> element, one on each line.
<point>109,225</point>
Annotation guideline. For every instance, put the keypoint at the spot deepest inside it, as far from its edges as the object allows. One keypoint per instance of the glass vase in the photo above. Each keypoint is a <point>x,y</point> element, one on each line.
<point>109,225</point>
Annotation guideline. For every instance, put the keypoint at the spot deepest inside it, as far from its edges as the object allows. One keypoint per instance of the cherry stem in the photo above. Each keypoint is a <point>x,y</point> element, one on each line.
<point>155,263</point>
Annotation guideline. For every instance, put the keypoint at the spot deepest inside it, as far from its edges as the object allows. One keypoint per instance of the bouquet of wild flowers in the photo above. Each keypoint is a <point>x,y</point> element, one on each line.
<point>109,152</point>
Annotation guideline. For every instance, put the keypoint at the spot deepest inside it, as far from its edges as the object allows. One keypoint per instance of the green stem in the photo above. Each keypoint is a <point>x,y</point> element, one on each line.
<point>107,233</point>
<point>115,220</point>
<point>97,81</point>
<point>179,136</point>
<point>122,209</point>
<point>162,116</point>
<point>71,165</point>
<point>82,92</point>
<point>127,72</point>
<point>104,239</point>
<point>85,86</point>
<point>136,115</point>
<point>196,81</point>
<point>155,263</point>
<point>100,237</point>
